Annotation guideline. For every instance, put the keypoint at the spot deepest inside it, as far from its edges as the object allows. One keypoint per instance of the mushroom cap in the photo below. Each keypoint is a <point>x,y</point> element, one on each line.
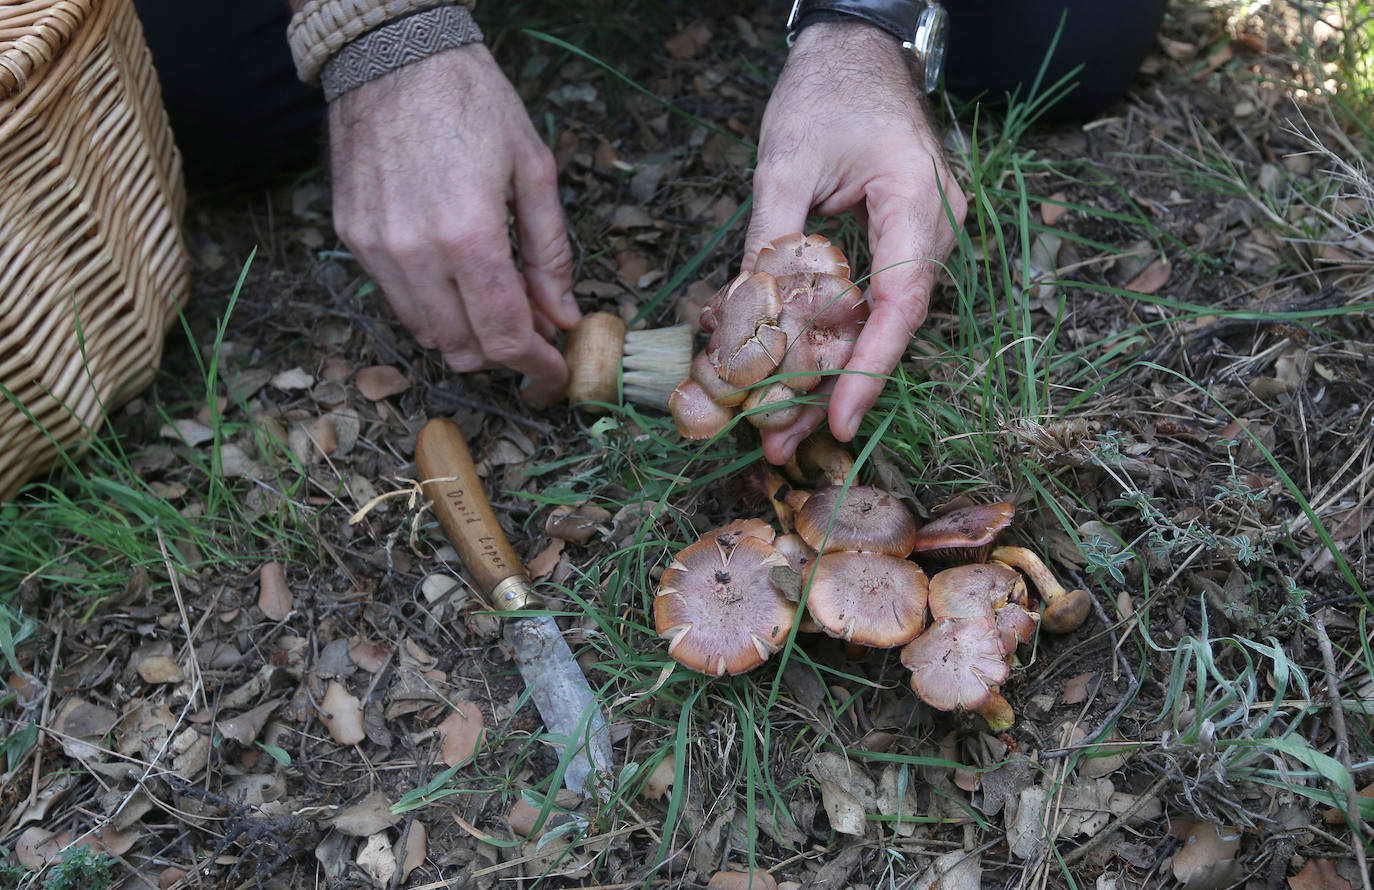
<point>969,591</point>
<point>696,415</point>
<point>868,598</point>
<point>956,663</point>
<point>719,608</point>
<point>773,406</point>
<point>795,550</point>
<point>1015,625</point>
<point>705,374</point>
<point>866,518</point>
<point>706,321</point>
<point>822,316</point>
<point>729,535</point>
<point>747,343</point>
<point>1066,613</point>
<point>802,253</point>
<point>965,534</point>
<point>820,459</point>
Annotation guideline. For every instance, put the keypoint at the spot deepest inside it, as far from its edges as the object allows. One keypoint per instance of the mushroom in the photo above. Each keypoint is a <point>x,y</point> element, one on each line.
<point>747,344</point>
<point>718,606</point>
<point>722,393</point>
<point>801,253</point>
<point>1064,611</point>
<point>706,321</point>
<point>695,414</point>
<point>820,458</point>
<point>871,599</point>
<point>958,664</point>
<point>965,534</point>
<point>986,590</point>
<point>860,518</point>
<point>822,316</point>
<point>773,406</point>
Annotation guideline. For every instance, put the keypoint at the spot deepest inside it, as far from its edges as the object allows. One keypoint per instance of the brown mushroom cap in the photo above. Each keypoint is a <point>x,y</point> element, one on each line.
<point>974,590</point>
<point>867,519</point>
<point>822,316</point>
<point>722,393</point>
<point>773,406</point>
<point>747,343</point>
<point>729,534</point>
<point>696,415</point>
<point>868,598</point>
<point>965,534</point>
<point>706,321</point>
<point>801,253</point>
<point>719,608</point>
<point>796,551</point>
<point>820,459</point>
<point>956,663</point>
<point>1015,625</point>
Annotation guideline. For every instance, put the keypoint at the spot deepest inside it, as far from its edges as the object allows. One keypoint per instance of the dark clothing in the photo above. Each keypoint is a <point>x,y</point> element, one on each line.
<point>238,110</point>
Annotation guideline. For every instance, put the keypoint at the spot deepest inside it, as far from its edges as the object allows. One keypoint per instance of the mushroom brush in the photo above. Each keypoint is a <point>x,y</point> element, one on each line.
<point>606,360</point>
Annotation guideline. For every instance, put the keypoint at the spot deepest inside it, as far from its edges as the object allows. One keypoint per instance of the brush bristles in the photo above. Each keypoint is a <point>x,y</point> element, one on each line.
<point>655,361</point>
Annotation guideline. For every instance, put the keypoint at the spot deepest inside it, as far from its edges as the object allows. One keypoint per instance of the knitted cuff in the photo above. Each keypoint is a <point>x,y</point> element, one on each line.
<point>396,45</point>
<point>323,27</point>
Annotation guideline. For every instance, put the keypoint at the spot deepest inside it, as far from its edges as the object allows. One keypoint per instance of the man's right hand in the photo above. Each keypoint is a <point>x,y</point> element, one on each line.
<point>426,161</point>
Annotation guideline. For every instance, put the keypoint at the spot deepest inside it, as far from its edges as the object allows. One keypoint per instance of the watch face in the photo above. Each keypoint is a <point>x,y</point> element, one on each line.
<point>932,35</point>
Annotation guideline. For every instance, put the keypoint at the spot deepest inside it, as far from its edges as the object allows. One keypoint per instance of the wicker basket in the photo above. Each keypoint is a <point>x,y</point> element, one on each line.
<point>92,265</point>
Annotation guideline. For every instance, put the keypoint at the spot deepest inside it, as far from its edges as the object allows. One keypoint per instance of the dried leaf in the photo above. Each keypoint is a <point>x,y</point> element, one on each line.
<point>377,382</point>
<point>377,859</point>
<point>1318,874</point>
<point>416,849</point>
<point>577,525</point>
<point>322,435</point>
<point>545,561</point>
<point>1151,278</point>
<point>461,733</point>
<point>295,378</point>
<point>274,597</point>
<point>1052,210</point>
<point>1026,828</point>
<point>160,669</point>
<point>844,809</point>
<point>660,780</point>
<point>36,847</point>
<point>342,715</point>
<point>955,870</point>
<point>689,41</point>
<point>1076,688</point>
<point>244,728</point>
<point>110,841</point>
<point>367,654</point>
<point>756,879</point>
<point>1207,856</point>
<point>191,432</point>
<point>78,720</point>
<point>366,817</point>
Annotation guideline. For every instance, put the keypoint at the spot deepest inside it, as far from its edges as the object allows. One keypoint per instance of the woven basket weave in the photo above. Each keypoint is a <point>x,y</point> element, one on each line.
<point>92,265</point>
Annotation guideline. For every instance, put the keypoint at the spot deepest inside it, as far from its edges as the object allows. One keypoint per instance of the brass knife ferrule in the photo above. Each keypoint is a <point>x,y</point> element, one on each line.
<point>516,593</point>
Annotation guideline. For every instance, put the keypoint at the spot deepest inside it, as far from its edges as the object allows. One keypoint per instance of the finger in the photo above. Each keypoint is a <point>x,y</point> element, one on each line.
<point>496,305</point>
<point>546,328</point>
<point>427,303</point>
<point>780,208</point>
<point>780,445</point>
<point>543,238</point>
<point>905,243</point>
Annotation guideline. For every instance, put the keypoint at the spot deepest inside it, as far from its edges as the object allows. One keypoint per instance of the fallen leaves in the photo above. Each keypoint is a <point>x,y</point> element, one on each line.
<point>342,715</point>
<point>378,382</point>
<point>1150,279</point>
<point>1207,858</point>
<point>461,733</point>
<point>274,597</point>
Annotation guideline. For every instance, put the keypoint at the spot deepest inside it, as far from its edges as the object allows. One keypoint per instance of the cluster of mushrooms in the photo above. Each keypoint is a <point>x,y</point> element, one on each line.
<point>775,331</point>
<point>725,603</point>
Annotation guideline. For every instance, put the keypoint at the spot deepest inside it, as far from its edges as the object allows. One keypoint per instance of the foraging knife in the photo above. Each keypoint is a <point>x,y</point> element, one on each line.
<point>557,685</point>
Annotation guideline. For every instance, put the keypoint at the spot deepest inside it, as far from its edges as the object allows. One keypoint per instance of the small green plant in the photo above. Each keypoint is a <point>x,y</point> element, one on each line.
<point>80,868</point>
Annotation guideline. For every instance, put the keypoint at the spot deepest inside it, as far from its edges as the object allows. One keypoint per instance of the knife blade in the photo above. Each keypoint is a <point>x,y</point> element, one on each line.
<point>559,689</point>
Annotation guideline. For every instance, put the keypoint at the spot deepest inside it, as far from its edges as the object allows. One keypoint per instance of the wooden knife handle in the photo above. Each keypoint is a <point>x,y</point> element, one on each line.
<point>451,482</point>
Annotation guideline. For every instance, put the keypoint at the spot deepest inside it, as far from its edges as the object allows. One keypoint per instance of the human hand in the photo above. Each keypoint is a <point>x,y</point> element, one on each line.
<point>845,128</point>
<point>426,160</point>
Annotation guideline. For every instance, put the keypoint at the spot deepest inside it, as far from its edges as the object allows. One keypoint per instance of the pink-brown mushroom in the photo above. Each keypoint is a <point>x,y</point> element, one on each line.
<point>772,406</point>
<point>963,535</point>
<point>958,664</point>
<point>822,316</point>
<point>722,393</point>
<point>747,344</point>
<point>860,518</point>
<point>801,253</point>
<point>1064,610</point>
<point>985,590</point>
<point>870,599</point>
<point>696,415</point>
<point>719,607</point>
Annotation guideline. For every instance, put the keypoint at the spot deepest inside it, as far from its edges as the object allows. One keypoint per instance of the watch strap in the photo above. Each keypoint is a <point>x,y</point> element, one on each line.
<point>896,17</point>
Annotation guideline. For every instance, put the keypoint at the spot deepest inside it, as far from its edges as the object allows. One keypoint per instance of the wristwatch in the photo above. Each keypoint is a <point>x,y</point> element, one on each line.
<point>922,26</point>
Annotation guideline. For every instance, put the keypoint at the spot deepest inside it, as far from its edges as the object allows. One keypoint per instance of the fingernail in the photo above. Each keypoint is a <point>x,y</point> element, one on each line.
<point>849,426</point>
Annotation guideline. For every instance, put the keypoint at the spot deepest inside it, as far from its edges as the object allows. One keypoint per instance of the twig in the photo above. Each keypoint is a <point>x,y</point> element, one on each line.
<point>1352,801</point>
<point>185,619</point>
<point>43,721</point>
<point>1096,840</point>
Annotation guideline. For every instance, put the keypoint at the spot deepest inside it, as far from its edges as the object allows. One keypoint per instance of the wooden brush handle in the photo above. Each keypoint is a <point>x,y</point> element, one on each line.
<point>450,480</point>
<point>593,351</point>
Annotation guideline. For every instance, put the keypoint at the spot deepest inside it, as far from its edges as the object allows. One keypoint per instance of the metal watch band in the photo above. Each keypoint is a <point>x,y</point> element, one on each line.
<point>919,25</point>
<point>396,45</point>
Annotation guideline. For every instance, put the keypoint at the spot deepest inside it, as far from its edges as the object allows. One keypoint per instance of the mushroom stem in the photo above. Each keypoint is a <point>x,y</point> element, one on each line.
<point>997,711</point>
<point>1065,610</point>
<point>821,459</point>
